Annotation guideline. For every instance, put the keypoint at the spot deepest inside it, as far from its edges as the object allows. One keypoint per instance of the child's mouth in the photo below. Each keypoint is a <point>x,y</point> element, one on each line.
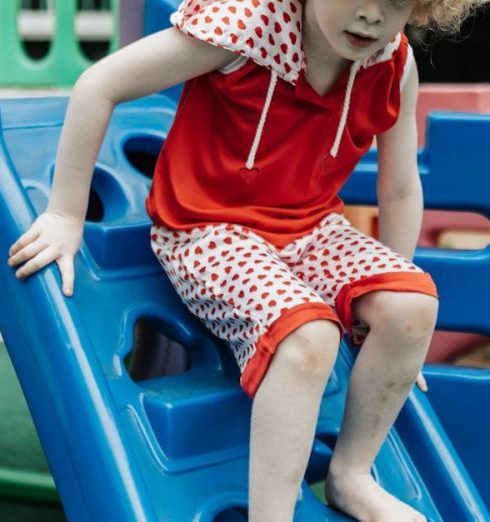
<point>359,40</point>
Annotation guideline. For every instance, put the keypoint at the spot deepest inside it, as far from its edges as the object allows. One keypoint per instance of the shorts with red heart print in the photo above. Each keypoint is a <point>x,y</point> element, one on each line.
<point>253,294</point>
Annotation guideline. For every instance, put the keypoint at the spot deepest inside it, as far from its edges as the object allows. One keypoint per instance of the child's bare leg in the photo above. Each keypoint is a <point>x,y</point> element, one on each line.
<point>401,327</point>
<point>284,416</point>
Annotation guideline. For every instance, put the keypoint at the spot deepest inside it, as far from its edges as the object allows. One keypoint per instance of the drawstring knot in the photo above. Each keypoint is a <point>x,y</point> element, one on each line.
<point>260,127</point>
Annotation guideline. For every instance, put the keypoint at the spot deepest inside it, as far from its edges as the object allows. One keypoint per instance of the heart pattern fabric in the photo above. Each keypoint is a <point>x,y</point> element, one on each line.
<point>267,31</point>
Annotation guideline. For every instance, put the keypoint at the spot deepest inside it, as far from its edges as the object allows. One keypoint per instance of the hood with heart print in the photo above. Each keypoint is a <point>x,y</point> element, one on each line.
<point>269,33</point>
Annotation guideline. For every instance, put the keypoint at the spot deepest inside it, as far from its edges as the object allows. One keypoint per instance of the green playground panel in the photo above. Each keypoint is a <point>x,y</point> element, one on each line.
<point>26,485</point>
<point>24,474</point>
<point>64,61</point>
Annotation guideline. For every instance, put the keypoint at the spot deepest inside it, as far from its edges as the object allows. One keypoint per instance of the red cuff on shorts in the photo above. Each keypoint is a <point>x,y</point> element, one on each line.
<point>293,318</point>
<point>420,282</point>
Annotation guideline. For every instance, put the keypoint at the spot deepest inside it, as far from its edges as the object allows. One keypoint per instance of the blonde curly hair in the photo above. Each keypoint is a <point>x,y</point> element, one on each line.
<point>443,15</point>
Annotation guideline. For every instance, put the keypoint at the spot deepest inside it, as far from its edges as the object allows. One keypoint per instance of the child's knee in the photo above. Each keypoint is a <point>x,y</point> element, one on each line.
<point>311,349</point>
<point>410,316</point>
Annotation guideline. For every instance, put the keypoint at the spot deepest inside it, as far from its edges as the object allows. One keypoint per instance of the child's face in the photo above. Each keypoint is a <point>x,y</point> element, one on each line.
<point>355,29</point>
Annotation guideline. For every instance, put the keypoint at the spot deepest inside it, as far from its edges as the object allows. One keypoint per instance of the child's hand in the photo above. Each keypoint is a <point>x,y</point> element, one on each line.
<point>52,237</point>
<point>421,383</point>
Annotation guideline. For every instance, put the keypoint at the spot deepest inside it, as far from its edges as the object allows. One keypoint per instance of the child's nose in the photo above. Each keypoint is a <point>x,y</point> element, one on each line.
<point>370,12</point>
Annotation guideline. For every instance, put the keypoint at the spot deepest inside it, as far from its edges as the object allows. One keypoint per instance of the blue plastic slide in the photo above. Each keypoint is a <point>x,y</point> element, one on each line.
<point>131,438</point>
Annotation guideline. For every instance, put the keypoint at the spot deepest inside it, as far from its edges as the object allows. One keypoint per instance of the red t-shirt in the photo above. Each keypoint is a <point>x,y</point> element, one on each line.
<point>201,177</point>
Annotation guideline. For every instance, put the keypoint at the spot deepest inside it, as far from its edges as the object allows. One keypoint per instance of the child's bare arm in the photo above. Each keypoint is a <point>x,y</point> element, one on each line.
<point>399,188</point>
<point>400,196</point>
<point>151,64</point>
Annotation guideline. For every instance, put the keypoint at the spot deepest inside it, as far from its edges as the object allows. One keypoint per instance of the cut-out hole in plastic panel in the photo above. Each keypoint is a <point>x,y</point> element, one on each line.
<point>94,25</point>
<point>142,153</point>
<point>35,25</point>
<point>440,228</point>
<point>154,354</point>
<point>476,354</point>
<point>318,489</point>
<point>460,348</point>
<point>364,218</point>
<point>95,209</point>
<point>319,460</point>
<point>107,201</point>
<point>329,439</point>
<point>36,49</point>
<point>454,230</point>
<point>94,51</point>
<point>194,415</point>
<point>236,514</point>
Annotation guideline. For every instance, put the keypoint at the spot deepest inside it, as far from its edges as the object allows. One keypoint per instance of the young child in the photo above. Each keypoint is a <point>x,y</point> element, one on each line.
<point>282,98</point>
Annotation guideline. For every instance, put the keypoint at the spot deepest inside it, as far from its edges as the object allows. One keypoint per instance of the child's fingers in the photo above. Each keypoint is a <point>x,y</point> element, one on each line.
<point>65,265</point>
<point>34,264</point>
<point>422,383</point>
<point>28,237</point>
<point>26,253</point>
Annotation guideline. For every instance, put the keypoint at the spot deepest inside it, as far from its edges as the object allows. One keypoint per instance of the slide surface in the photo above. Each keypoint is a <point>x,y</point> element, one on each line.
<point>171,446</point>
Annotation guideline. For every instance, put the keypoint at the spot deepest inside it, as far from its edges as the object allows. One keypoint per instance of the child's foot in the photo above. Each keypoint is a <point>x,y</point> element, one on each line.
<point>362,498</point>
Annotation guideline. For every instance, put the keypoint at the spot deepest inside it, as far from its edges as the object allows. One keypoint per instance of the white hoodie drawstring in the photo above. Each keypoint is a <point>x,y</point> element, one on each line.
<point>340,129</point>
<point>260,127</point>
<point>345,110</point>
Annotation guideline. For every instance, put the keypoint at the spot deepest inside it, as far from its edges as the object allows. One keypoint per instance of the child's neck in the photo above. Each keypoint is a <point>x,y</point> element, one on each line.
<point>323,65</point>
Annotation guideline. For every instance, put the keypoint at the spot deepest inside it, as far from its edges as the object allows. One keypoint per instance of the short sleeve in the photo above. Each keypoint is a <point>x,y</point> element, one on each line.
<point>266,31</point>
